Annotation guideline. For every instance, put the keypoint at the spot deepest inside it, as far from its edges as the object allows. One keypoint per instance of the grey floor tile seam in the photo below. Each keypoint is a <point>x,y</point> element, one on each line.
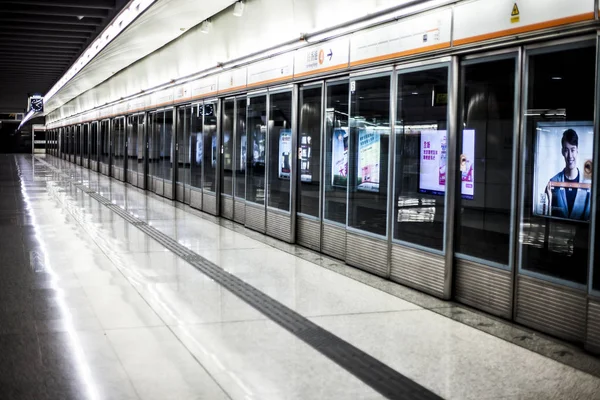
<point>526,338</point>
<point>368,369</point>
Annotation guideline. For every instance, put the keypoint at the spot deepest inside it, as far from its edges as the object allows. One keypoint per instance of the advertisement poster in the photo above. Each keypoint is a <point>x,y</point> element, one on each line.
<point>369,158</point>
<point>285,153</point>
<point>562,177</point>
<point>304,155</point>
<point>432,176</point>
<point>242,152</point>
<point>258,147</point>
<point>339,157</point>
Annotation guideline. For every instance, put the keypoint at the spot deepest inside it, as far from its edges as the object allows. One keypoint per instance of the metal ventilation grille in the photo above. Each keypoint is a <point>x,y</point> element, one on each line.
<point>227,207</point>
<point>255,217</point>
<point>367,253</point>
<point>593,326</point>
<point>419,269</point>
<point>196,199</point>
<point>279,226</point>
<point>168,190</point>
<point>483,287</point>
<point>240,211</point>
<point>333,241</point>
<point>209,204</point>
<point>308,232</point>
<point>551,308</point>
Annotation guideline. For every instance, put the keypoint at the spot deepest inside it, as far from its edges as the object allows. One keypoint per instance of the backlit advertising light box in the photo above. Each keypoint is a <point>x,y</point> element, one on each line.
<point>433,163</point>
<point>339,157</point>
<point>369,159</point>
<point>285,153</point>
<point>563,164</point>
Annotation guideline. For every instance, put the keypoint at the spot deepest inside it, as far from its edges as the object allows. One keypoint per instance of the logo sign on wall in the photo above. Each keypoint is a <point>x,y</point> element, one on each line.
<point>36,104</point>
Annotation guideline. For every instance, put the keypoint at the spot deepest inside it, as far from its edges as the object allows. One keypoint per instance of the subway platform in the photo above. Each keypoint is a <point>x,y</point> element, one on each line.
<point>110,292</point>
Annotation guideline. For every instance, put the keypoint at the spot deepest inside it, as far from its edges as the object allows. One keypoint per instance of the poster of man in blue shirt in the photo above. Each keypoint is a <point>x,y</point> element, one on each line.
<point>569,191</point>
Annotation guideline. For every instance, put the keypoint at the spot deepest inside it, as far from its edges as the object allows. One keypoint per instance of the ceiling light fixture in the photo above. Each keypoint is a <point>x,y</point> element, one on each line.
<point>205,26</point>
<point>238,9</point>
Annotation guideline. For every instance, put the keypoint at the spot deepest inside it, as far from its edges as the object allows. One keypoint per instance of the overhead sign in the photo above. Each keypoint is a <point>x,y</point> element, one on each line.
<point>233,80</point>
<point>409,36</point>
<point>204,87</point>
<point>183,92</point>
<point>36,104</point>
<point>272,70</point>
<point>481,20</point>
<point>325,57</point>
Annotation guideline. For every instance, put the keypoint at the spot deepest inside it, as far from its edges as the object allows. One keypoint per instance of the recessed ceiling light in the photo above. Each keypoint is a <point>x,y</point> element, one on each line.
<point>557,78</point>
<point>80,17</point>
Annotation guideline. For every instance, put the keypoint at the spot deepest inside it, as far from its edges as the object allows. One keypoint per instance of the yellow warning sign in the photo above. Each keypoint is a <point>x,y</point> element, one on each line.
<point>515,15</point>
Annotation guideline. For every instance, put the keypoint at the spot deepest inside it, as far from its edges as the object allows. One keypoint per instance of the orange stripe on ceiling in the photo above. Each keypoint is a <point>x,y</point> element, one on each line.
<point>526,28</point>
<point>322,70</point>
<point>402,54</point>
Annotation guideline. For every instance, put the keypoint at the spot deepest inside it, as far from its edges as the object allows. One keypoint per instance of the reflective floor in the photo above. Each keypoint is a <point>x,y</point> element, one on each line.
<point>91,307</point>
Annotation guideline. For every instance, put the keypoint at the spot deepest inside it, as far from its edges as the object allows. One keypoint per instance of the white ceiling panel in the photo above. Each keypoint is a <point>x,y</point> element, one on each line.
<point>160,24</point>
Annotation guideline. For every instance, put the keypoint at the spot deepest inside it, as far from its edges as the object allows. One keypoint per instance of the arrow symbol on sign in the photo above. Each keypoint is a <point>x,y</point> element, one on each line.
<point>330,54</point>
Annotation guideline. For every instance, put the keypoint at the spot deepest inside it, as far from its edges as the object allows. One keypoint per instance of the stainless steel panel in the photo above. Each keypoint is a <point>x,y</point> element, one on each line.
<point>227,207</point>
<point>180,191</point>
<point>483,287</point>
<point>551,308</point>
<point>367,253</point>
<point>308,232</point>
<point>255,217</point>
<point>418,269</point>
<point>333,241</point>
<point>86,163</point>
<point>77,160</point>
<point>158,186</point>
<point>140,180</point>
<point>196,199</point>
<point>209,204</point>
<point>279,225</point>
<point>188,194</point>
<point>240,211</point>
<point>592,342</point>
<point>168,190</point>
<point>133,178</point>
<point>93,165</point>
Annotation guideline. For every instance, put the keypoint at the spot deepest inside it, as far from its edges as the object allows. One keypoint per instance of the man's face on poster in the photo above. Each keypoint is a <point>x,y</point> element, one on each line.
<point>570,152</point>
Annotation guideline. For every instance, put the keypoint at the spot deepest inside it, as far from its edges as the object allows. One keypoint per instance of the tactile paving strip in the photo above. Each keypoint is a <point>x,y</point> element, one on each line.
<point>368,369</point>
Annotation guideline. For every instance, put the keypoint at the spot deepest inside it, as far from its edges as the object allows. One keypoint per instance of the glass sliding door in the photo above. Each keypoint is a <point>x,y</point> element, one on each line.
<point>227,157</point>
<point>256,117</point>
<point>119,148</point>
<point>240,161</point>
<point>308,219</point>
<point>136,148</point>
<point>184,115</point>
<point>77,149</point>
<point>556,188</point>
<point>94,145</point>
<point>420,161</point>
<point>210,157</point>
<point>85,148</point>
<point>104,147</point>
<point>154,136</point>
<point>280,150</point>
<point>167,152</point>
<point>368,161</point>
<point>196,152</point>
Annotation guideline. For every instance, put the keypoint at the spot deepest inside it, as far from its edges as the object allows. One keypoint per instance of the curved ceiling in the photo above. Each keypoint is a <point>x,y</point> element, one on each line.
<point>40,39</point>
<point>162,22</point>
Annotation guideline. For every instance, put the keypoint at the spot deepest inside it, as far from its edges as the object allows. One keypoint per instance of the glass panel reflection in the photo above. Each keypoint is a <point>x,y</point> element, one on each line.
<point>104,142</point>
<point>257,130</point>
<point>227,137</point>
<point>86,133</point>
<point>369,146</point>
<point>421,157</point>
<point>166,156</point>
<point>280,150</point>
<point>336,152</point>
<point>196,146</point>
<point>240,150</point>
<point>94,141</point>
<point>154,145</point>
<point>483,222</point>
<point>309,151</point>
<point>558,164</point>
<point>183,143</point>
<point>210,146</point>
<point>118,134</point>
